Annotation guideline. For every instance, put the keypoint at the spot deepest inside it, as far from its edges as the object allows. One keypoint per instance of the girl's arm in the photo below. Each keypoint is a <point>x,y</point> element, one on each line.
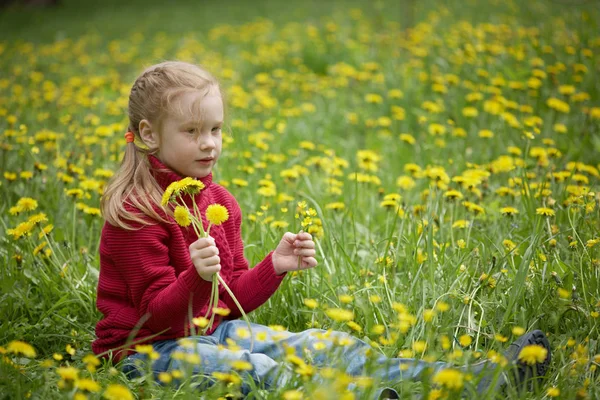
<point>147,260</point>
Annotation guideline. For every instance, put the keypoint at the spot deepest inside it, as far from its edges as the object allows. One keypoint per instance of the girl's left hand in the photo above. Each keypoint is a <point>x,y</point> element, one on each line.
<point>292,246</point>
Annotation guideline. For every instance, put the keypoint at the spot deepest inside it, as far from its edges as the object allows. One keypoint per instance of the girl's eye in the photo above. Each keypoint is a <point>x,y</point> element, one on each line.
<point>192,130</point>
<point>216,128</point>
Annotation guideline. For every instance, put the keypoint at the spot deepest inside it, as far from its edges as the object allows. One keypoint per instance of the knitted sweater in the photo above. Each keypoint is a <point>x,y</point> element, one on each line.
<point>148,282</point>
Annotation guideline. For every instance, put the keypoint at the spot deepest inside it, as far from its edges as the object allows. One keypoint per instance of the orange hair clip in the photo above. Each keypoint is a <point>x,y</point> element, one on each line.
<point>129,136</point>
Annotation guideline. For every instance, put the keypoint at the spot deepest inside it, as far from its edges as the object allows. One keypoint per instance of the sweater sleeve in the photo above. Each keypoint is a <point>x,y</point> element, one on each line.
<point>158,294</point>
<point>251,287</point>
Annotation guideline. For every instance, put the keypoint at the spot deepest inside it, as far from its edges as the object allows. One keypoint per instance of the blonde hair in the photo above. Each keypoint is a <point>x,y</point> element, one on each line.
<point>151,97</point>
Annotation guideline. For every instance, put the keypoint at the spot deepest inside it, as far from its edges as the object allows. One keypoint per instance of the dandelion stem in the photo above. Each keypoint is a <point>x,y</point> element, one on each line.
<point>239,307</point>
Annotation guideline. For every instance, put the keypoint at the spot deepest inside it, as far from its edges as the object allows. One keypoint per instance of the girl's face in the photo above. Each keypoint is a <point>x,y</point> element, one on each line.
<point>188,143</point>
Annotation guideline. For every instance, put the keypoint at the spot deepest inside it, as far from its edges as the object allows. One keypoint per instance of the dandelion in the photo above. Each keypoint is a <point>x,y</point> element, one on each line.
<point>19,347</point>
<point>68,373</point>
<point>449,378</point>
<point>116,391</point>
<point>165,377</point>
<point>407,138</point>
<point>221,311</point>
<point>182,216</point>
<point>518,331</point>
<point>509,211</point>
<point>87,385</point>
<point>453,194</point>
<point>186,185</point>
<point>465,340</point>
<point>27,204</point>
<point>335,206</point>
<point>227,378</point>
<point>346,298</point>
<point>216,214</point>
<point>486,133</point>
<point>533,354</point>
<point>339,314</point>
<point>293,395</point>
<point>545,211</point>
<point>461,223</point>
<point>200,322</point>
<point>241,365</point>
<point>311,303</point>
<point>419,346</point>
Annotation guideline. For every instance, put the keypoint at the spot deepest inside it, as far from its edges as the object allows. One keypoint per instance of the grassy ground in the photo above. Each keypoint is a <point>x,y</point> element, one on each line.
<point>448,149</point>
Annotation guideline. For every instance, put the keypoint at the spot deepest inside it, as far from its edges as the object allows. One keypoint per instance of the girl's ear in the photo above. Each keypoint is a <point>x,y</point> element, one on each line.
<point>148,135</point>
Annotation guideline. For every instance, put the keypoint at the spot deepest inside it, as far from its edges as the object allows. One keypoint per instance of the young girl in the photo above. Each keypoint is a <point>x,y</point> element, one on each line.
<point>156,276</point>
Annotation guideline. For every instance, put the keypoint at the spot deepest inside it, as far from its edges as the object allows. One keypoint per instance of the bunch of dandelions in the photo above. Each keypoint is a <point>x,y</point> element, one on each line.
<point>216,214</point>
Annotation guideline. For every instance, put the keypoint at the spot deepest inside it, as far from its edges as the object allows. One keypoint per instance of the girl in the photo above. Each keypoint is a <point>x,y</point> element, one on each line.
<point>156,276</point>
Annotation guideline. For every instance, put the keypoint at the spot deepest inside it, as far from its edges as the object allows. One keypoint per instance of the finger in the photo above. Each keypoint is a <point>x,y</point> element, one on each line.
<point>305,252</point>
<point>213,269</point>
<point>289,237</point>
<point>306,244</point>
<point>202,243</point>
<point>211,261</point>
<point>208,252</point>
<point>308,262</point>
<point>304,236</point>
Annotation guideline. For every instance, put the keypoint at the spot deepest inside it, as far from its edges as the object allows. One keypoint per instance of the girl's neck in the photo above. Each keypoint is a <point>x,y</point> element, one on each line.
<point>165,175</point>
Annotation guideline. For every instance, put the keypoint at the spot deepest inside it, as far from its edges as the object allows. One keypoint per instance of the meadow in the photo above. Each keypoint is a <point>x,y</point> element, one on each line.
<point>443,154</point>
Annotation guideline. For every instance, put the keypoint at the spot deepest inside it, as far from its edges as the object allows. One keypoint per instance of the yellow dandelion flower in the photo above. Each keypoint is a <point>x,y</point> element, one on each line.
<point>533,354</point>
<point>465,340</point>
<point>186,185</point>
<point>509,211</point>
<point>38,218</point>
<point>311,303</point>
<point>19,347</point>
<point>27,204</point>
<point>227,377</point>
<point>339,314</point>
<point>453,194</point>
<point>293,395</point>
<point>335,206</point>
<point>165,377</point>
<point>221,311</point>
<point>518,331</point>
<point>241,365</point>
<point>449,378</point>
<point>216,214</point>
<point>68,373</point>
<point>461,223</point>
<point>545,211</point>
<point>87,385</point>
<point>182,216</point>
<point>46,230</point>
<point>486,133</point>
<point>21,230</point>
<point>200,322</point>
<point>419,346</point>
<point>116,391</point>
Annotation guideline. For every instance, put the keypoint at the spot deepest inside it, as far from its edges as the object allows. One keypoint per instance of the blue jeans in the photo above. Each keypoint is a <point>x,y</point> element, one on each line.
<point>327,348</point>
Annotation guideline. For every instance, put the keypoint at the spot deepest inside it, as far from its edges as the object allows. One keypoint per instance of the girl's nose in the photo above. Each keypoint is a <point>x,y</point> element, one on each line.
<point>206,143</point>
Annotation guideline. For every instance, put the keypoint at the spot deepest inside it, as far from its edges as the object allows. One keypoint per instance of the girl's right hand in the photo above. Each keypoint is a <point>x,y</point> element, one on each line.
<point>205,256</point>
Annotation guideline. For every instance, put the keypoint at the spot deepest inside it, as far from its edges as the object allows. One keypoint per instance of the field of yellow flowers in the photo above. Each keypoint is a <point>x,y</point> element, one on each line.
<point>444,155</point>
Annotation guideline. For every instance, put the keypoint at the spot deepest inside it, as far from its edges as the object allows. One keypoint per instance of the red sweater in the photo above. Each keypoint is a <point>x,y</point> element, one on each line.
<point>147,278</point>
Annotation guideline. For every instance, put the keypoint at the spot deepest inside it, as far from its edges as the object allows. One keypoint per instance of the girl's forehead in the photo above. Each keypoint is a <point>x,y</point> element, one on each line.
<point>198,107</point>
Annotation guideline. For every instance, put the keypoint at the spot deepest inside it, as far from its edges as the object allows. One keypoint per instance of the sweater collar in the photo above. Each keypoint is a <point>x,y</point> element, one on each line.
<point>165,176</point>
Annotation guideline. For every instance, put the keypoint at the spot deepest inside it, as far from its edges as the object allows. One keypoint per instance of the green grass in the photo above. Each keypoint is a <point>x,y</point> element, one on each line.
<point>493,272</point>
